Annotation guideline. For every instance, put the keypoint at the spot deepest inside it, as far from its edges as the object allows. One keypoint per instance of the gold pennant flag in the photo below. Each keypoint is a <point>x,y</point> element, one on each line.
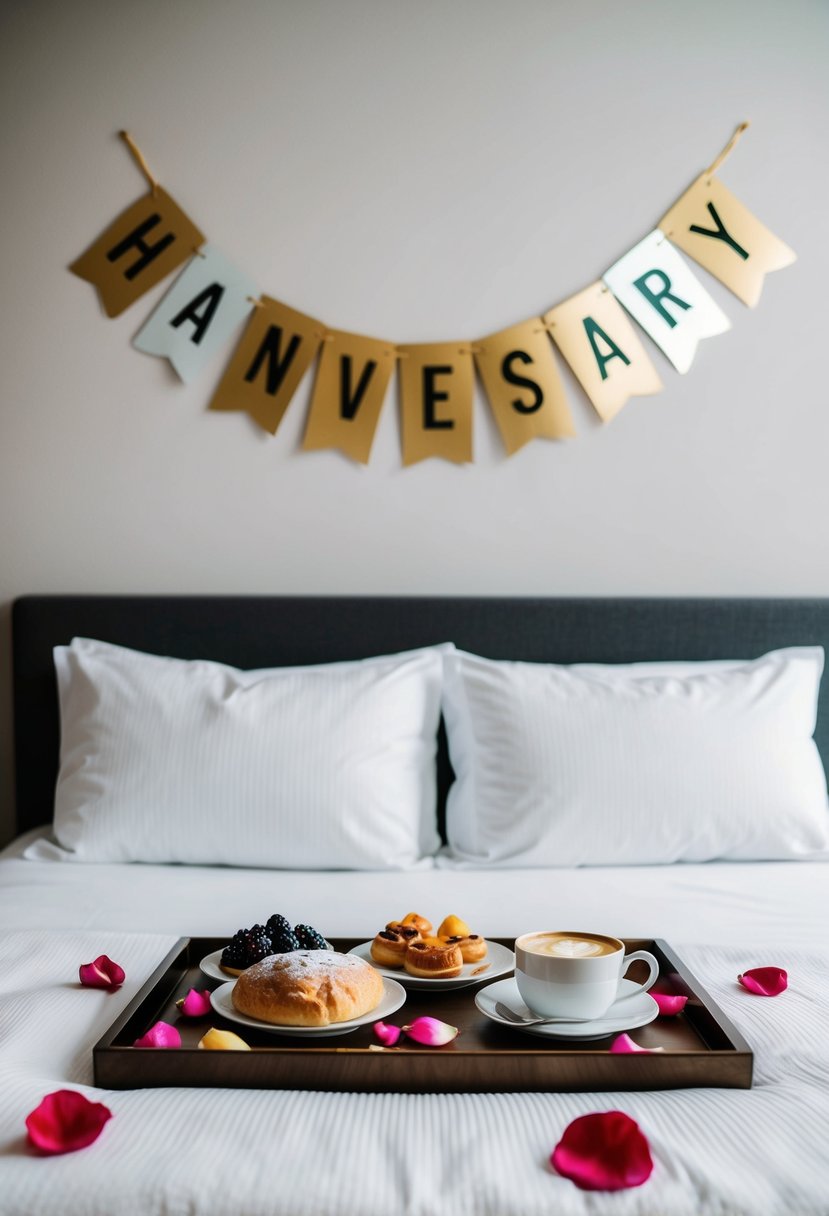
<point>713,227</point>
<point>352,377</point>
<point>598,341</point>
<point>139,249</point>
<point>521,379</point>
<point>274,353</point>
<point>436,392</point>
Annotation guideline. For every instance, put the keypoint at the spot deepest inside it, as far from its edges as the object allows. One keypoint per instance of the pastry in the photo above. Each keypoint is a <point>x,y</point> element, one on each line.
<point>453,926</point>
<point>419,922</point>
<point>308,988</point>
<point>472,947</point>
<point>434,962</point>
<point>390,945</point>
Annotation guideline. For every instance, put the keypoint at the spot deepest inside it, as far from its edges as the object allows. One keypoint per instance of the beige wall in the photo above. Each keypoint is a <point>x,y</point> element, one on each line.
<point>430,170</point>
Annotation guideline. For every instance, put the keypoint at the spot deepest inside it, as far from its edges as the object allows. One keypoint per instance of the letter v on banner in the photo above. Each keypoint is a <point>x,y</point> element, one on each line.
<point>274,353</point>
<point>353,374</point>
<point>716,230</point>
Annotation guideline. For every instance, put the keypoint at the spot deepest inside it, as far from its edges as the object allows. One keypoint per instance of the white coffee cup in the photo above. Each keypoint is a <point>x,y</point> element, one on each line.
<point>574,975</point>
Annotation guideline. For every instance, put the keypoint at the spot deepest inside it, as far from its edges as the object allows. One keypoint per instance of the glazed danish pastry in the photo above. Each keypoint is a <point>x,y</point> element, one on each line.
<point>390,945</point>
<point>434,962</point>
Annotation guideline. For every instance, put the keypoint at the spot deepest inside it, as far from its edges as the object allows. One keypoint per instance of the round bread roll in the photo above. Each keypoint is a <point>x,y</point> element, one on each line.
<point>308,988</point>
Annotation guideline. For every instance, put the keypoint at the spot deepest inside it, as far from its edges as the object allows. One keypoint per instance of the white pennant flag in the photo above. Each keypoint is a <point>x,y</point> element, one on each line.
<point>659,291</point>
<point>198,314</point>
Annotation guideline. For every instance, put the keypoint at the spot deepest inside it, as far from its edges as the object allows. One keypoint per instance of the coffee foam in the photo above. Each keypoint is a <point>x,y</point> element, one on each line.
<point>565,945</point>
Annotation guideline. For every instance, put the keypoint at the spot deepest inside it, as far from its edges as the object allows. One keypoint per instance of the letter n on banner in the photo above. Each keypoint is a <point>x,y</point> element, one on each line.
<point>139,249</point>
<point>519,373</point>
<point>352,377</point>
<point>274,353</point>
<point>716,230</point>
<point>436,391</point>
<point>600,344</point>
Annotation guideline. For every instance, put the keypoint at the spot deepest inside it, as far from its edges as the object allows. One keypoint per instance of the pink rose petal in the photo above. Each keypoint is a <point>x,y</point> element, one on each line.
<point>103,973</point>
<point>765,981</point>
<point>623,1044</point>
<point>431,1032</point>
<point>668,1004</point>
<point>603,1152</point>
<point>162,1034</point>
<point>388,1035</point>
<point>66,1121</point>
<point>196,1004</point>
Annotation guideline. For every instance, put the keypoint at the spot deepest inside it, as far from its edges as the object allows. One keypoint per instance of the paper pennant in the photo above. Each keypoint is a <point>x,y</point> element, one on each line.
<point>353,374</point>
<point>519,374</point>
<point>600,344</point>
<point>199,312</point>
<point>660,292</point>
<point>436,392</point>
<point>716,230</point>
<point>139,249</point>
<point>274,353</point>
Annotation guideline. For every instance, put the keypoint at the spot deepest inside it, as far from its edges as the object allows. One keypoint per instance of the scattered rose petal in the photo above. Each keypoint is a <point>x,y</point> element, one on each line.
<point>765,981</point>
<point>668,1003</point>
<point>388,1035</point>
<point>160,1035</point>
<point>623,1044</point>
<point>103,973</point>
<point>431,1032</point>
<point>222,1040</point>
<point>195,1005</point>
<point>603,1152</point>
<point>66,1121</point>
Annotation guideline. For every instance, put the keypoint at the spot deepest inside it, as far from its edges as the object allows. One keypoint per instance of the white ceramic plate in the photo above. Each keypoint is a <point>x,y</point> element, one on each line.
<point>632,1008</point>
<point>498,961</point>
<point>393,997</point>
<point>210,964</point>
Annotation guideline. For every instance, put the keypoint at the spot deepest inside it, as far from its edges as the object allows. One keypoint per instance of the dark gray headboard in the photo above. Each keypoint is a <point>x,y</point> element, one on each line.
<point>271,631</point>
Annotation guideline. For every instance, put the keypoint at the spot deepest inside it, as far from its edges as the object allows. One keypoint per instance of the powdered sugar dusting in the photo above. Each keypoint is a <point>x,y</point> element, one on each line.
<point>316,965</point>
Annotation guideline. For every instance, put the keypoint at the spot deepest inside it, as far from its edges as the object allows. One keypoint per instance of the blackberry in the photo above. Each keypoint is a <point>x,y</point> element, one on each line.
<point>235,952</point>
<point>284,943</point>
<point>309,938</point>
<point>278,925</point>
<point>246,947</point>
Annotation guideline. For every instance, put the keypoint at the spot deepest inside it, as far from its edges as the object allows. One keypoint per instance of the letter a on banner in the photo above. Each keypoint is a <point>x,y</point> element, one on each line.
<point>139,249</point>
<point>352,377</point>
<point>716,230</point>
<point>600,344</point>
<point>519,373</point>
<point>669,302</point>
<point>436,391</point>
<point>198,314</point>
<point>274,353</point>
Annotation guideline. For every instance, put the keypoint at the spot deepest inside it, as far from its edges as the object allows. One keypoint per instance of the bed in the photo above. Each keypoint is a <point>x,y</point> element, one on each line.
<point>754,1152</point>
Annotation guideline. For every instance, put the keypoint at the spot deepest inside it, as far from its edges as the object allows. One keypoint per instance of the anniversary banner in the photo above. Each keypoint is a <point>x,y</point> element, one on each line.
<point>650,287</point>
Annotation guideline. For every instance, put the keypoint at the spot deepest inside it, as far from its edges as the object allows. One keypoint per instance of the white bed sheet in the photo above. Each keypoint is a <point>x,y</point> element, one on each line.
<point>761,1152</point>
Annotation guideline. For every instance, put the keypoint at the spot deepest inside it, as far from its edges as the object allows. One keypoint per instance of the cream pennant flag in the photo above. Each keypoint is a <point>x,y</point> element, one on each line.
<point>716,230</point>
<point>140,247</point>
<point>600,344</point>
<point>519,374</point>
<point>208,300</point>
<point>353,374</point>
<point>274,353</point>
<point>436,392</point>
<point>659,291</point>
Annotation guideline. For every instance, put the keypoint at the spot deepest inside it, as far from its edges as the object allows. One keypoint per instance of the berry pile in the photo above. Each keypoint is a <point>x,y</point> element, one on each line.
<point>249,946</point>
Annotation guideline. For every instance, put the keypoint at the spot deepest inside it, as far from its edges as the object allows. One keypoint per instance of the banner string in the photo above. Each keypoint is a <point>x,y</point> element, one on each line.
<point>138,157</point>
<point>729,147</point>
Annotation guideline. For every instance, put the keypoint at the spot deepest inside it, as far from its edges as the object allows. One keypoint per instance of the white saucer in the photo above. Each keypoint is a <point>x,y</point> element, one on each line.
<point>632,1008</point>
<point>498,961</point>
<point>209,965</point>
<point>393,997</point>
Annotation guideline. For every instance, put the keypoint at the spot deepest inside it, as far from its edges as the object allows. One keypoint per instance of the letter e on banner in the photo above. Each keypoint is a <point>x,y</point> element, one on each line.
<point>600,344</point>
<point>436,392</point>
<point>139,249</point>
<point>274,353</point>
<point>519,374</point>
<point>353,374</point>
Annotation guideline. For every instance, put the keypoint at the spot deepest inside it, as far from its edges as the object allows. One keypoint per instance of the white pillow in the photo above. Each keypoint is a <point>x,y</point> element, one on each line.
<point>323,767</point>
<point>564,766</point>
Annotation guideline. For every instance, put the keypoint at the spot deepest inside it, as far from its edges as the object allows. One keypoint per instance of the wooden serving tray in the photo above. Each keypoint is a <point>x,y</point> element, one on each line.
<point>702,1047</point>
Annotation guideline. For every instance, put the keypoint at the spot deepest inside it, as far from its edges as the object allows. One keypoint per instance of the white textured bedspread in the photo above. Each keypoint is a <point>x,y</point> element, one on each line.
<point>754,1152</point>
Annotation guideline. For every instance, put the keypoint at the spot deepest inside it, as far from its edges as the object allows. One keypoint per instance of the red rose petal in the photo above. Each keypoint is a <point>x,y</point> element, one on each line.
<point>162,1034</point>
<point>603,1152</point>
<point>669,1004</point>
<point>623,1045</point>
<point>66,1121</point>
<point>103,973</point>
<point>765,981</point>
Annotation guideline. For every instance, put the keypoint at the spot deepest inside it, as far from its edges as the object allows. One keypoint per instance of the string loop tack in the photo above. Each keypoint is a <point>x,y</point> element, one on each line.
<point>138,157</point>
<point>729,147</point>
